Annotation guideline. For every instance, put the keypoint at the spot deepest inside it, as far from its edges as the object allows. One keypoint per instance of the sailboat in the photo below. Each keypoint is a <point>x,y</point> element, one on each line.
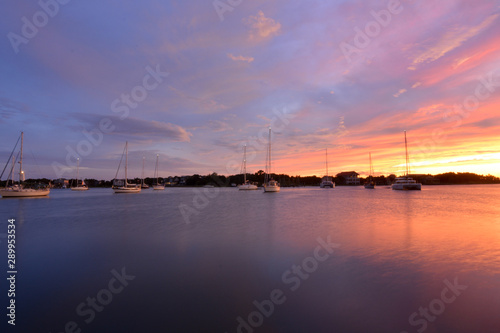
<point>270,185</point>
<point>370,184</point>
<point>78,187</point>
<point>327,181</point>
<point>246,184</point>
<point>157,186</point>
<point>18,190</point>
<point>143,185</point>
<point>406,183</point>
<point>125,187</point>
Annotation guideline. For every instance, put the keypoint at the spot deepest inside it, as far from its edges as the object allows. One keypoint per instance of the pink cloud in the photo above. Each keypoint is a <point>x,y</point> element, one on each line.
<point>454,37</point>
<point>240,58</point>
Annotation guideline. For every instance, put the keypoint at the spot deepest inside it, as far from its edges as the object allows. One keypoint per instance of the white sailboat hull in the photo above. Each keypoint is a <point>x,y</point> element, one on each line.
<point>158,187</point>
<point>407,187</point>
<point>406,184</point>
<point>81,188</point>
<point>271,188</point>
<point>25,192</point>
<point>127,189</point>
<point>327,184</point>
<point>247,187</point>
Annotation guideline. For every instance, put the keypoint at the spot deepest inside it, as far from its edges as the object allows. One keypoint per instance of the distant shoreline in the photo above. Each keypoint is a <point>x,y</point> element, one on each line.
<point>341,179</point>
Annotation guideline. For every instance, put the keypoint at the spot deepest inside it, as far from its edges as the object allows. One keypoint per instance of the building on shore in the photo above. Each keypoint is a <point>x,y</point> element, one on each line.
<point>348,178</point>
<point>60,183</point>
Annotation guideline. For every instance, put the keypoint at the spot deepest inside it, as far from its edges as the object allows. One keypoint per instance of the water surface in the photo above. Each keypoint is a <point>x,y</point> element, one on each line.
<point>199,260</point>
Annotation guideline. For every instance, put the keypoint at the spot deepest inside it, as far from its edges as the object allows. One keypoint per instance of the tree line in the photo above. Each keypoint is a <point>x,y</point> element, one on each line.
<point>449,178</point>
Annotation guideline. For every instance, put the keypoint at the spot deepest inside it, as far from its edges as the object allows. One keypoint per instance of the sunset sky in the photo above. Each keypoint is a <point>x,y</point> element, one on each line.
<point>349,76</point>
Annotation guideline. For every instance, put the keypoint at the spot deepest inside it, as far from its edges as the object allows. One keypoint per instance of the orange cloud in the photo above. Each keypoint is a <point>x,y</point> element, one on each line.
<point>399,93</point>
<point>262,27</point>
<point>240,58</point>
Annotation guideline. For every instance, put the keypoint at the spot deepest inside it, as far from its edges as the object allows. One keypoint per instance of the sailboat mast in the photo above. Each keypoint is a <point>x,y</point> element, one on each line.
<point>269,150</point>
<point>156,169</point>
<point>371,167</point>
<point>406,151</point>
<point>77,170</point>
<point>126,161</point>
<point>21,160</point>
<point>142,173</point>
<point>245,164</point>
<point>326,156</point>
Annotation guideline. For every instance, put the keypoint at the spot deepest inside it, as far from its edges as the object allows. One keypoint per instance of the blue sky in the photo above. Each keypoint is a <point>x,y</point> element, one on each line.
<point>228,79</point>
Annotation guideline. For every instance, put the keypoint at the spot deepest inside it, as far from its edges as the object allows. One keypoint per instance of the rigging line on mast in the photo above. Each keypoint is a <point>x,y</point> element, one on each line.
<point>121,159</point>
<point>12,153</point>
<point>11,171</point>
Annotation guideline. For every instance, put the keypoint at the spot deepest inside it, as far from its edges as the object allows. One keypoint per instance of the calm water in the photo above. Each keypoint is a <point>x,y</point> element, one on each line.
<point>397,258</point>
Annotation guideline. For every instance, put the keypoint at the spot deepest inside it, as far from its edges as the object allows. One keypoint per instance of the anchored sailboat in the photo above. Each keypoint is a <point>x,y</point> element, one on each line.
<point>18,190</point>
<point>270,185</point>
<point>78,187</point>
<point>370,184</point>
<point>327,182</point>
<point>125,187</point>
<point>246,183</point>
<point>406,183</point>
<point>157,186</point>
